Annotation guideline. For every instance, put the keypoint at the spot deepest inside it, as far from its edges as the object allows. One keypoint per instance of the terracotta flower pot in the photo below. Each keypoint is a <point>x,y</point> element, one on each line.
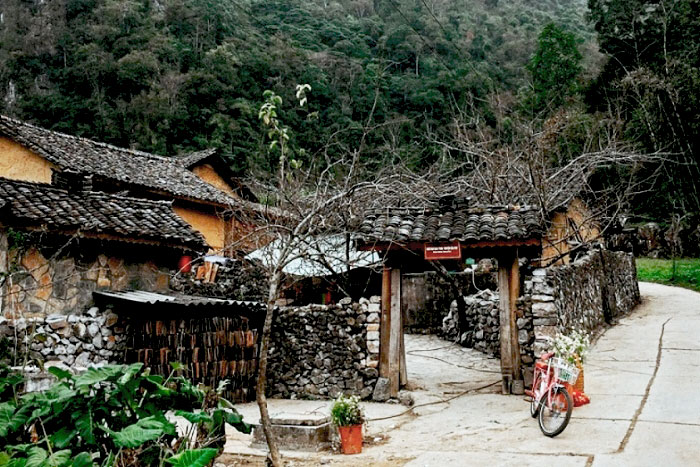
<point>351,439</point>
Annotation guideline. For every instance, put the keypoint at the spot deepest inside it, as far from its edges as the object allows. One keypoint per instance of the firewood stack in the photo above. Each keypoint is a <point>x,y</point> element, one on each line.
<point>211,349</point>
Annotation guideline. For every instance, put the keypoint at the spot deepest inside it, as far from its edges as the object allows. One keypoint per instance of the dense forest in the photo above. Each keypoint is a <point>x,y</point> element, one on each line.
<point>168,76</point>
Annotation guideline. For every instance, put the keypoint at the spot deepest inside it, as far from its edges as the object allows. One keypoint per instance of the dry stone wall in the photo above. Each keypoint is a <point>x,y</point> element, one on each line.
<point>78,341</point>
<point>320,351</point>
<point>591,292</point>
<point>39,282</point>
<point>236,279</point>
<point>483,324</point>
<point>426,296</point>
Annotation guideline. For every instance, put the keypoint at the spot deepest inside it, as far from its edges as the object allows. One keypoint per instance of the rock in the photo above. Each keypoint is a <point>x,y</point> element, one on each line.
<point>92,312</point>
<point>523,337</point>
<point>406,398</point>
<point>93,330</point>
<point>111,319</point>
<point>56,321</point>
<point>97,341</point>
<point>373,318</point>
<point>373,346</point>
<point>334,391</point>
<point>345,301</point>
<point>382,390</point>
<point>79,330</point>
<point>372,335</point>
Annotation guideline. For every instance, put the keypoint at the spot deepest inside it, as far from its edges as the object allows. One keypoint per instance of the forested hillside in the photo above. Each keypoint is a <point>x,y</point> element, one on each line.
<point>171,75</point>
<point>168,76</point>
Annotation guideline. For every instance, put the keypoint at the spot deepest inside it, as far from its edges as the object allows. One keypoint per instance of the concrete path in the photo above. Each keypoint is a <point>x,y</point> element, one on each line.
<point>642,376</point>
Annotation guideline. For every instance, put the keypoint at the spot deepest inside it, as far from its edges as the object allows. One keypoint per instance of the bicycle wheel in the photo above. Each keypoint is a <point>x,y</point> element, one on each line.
<point>554,418</point>
<point>534,404</point>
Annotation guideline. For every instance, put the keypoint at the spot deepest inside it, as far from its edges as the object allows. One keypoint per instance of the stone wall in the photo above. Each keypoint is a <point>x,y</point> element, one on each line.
<point>320,351</point>
<point>59,279</point>
<point>591,292</point>
<point>78,341</point>
<point>587,294</point>
<point>483,325</point>
<point>426,297</point>
<point>236,279</point>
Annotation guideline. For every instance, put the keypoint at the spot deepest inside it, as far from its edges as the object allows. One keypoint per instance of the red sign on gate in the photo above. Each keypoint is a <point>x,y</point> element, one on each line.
<point>443,251</point>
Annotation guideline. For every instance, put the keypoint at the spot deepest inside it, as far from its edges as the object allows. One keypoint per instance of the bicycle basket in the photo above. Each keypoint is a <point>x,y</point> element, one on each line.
<point>565,372</point>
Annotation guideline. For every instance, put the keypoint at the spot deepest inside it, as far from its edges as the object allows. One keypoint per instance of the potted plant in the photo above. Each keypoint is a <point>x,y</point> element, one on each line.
<point>347,415</point>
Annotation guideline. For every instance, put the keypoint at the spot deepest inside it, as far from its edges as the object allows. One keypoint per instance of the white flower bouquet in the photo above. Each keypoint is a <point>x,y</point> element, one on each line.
<point>569,347</point>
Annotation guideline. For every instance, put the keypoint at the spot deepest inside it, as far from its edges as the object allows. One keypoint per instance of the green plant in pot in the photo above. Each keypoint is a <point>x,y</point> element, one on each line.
<point>347,415</point>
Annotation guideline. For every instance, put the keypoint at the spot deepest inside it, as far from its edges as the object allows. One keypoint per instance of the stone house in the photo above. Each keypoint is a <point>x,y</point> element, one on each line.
<point>203,191</point>
<point>58,245</point>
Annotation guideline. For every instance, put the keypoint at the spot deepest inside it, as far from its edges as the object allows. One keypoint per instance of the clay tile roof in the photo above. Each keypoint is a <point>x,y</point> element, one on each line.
<point>191,158</point>
<point>127,166</point>
<point>90,213</point>
<point>467,225</point>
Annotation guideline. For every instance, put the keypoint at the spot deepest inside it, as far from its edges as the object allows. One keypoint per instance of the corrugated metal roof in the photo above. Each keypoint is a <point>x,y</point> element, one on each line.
<point>317,256</point>
<point>152,298</point>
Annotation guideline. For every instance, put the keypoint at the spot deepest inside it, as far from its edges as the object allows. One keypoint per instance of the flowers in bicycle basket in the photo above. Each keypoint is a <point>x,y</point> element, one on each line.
<point>568,347</point>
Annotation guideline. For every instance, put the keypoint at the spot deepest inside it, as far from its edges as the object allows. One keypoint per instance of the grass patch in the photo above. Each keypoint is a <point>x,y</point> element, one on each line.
<point>661,271</point>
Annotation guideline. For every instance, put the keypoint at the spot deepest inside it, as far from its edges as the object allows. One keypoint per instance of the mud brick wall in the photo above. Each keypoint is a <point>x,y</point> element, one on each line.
<point>212,349</point>
<point>77,340</point>
<point>588,294</point>
<point>320,351</point>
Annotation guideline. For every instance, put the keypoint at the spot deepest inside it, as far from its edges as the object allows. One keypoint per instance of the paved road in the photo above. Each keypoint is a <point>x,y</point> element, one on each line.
<point>643,377</point>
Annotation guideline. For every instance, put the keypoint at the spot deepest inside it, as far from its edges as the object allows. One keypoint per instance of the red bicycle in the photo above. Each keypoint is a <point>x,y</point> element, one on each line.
<point>550,402</point>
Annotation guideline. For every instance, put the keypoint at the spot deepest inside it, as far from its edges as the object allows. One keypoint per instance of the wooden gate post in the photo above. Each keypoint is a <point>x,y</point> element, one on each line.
<point>385,324</point>
<point>396,333</point>
<point>508,292</point>
<point>392,360</point>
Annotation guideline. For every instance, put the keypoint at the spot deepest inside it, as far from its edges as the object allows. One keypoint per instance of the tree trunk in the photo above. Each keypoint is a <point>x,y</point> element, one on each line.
<point>262,372</point>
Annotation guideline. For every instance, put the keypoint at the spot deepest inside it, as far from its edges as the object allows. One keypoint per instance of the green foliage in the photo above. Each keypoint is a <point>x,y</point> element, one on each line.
<point>193,458</point>
<point>661,271</point>
<point>346,411</point>
<point>555,68</point>
<point>113,415</point>
<point>17,239</point>
<point>188,74</point>
<point>652,81</point>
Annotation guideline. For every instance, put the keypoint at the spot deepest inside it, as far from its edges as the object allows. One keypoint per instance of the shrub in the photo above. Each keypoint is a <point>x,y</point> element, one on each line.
<point>113,416</point>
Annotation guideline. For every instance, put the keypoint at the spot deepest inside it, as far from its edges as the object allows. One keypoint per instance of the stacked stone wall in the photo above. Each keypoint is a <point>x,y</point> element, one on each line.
<point>78,341</point>
<point>426,297</point>
<point>483,324</point>
<point>320,351</point>
<point>236,279</point>
<point>588,294</point>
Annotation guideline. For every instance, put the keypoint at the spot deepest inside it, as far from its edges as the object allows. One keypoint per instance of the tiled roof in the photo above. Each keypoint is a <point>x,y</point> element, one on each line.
<point>90,213</point>
<point>191,158</point>
<point>467,225</point>
<point>126,166</point>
